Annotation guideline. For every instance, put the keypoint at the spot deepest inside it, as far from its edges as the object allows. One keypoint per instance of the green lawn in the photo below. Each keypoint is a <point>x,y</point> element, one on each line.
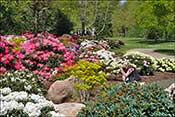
<point>133,43</point>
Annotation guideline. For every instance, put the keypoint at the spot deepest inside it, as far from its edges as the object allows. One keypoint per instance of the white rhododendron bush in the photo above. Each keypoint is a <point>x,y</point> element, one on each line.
<point>23,104</point>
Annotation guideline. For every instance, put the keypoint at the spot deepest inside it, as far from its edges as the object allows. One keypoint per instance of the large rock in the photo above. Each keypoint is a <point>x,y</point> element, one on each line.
<point>69,109</point>
<point>62,91</point>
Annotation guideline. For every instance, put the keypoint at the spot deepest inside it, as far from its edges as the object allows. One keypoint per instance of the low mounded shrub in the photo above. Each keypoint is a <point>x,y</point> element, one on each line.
<point>24,104</point>
<point>165,64</point>
<point>143,62</point>
<point>130,100</point>
<point>44,54</point>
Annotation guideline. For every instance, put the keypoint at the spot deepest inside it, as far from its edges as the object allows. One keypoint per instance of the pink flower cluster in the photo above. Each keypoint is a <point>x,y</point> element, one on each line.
<point>89,56</point>
<point>44,54</point>
<point>9,58</point>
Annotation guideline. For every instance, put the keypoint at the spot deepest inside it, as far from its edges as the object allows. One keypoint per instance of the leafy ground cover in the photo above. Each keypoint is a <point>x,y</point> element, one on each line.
<point>165,47</point>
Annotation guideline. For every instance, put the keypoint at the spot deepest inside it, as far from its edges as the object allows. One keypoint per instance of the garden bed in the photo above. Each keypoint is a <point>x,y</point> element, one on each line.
<point>158,76</point>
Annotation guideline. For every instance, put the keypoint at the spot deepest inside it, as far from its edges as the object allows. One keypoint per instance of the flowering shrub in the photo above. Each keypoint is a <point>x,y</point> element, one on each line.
<point>105,56</point>
<point>144,63</point>
<point>89,56</point>
<point>23,104</point>
<point>93,45</point>
<point>44,54</point>
<point>9,58</point>
<point>96,51</point>
<point>21,80</point>
<point>131,100</point>
<point>70,43</point>
<point>67,40</point>
<point>90,73</point>
<point>28,34</point>
<point>165,64</point>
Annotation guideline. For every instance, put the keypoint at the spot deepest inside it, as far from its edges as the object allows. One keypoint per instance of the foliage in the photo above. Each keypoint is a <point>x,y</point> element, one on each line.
<point>35,15</point>
<point>9,59</point>
<point>12,16</point>
<point>63,24</point>
<point>165,64</point>
<point>157,17</point>
<point>18,41</point>
<point>123,19</point>
<point>115,43</point>
<point>22,80</point>
<point>131,99</point>
<point>103,22</point>
<point>144,63</point>
<point>44,53</point>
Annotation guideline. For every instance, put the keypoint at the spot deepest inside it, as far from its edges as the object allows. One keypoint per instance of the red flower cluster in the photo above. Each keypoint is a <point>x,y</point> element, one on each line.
<point>9,58</point>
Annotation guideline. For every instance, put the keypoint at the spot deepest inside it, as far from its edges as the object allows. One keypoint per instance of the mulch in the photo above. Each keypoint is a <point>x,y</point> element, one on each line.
<point>158,76</point>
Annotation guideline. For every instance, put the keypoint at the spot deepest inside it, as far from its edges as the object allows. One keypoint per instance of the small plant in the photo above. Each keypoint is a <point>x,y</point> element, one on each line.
<point>130,100</point>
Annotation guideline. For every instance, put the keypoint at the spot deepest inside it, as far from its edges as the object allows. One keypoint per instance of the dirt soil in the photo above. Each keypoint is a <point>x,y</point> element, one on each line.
<point>158,76</point>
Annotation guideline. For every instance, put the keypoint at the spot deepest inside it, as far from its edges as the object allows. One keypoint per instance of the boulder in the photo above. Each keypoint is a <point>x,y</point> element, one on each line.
<point>69,109</point>
<point>62,91</point>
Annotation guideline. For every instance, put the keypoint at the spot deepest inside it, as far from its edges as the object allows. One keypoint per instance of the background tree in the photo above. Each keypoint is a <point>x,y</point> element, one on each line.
<point>156,17</point>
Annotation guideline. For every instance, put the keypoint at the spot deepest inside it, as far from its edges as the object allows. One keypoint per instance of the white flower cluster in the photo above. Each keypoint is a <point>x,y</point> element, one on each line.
<point>105,55</point>
<point>140,59</point>
<point>17,96</point>
<point>92,43</point>
<point>9,106</point>
<point>26,79</point>
<point>165,64</point>
<point>12,100</point>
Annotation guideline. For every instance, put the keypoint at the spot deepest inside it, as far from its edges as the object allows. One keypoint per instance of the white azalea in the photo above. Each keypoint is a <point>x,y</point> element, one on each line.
<point>5,91</point>
<point>54,114</point>
<point>32,109</point>
<point>16,96</point>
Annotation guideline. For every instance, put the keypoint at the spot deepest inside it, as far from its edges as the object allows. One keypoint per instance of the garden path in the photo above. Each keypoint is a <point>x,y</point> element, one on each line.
<point>152,53</point>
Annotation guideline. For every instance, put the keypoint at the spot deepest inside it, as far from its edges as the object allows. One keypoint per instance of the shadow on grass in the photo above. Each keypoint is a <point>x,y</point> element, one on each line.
<point>153,42</point>
<point>166,51</point>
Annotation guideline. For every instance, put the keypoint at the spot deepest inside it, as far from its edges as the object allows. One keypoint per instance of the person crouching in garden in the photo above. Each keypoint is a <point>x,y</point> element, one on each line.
<point>129,73</point>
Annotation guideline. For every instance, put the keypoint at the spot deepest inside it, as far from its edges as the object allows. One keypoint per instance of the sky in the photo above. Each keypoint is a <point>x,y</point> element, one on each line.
<point>122,2</point>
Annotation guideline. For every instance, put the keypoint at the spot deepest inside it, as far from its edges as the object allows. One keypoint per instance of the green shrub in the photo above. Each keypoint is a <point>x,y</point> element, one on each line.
<point>22,81</point>
<point>131,99</point>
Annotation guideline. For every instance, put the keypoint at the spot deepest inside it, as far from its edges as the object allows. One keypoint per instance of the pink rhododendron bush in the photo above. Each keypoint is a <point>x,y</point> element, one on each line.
<point>10,59</point>
<point>44,54</point>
